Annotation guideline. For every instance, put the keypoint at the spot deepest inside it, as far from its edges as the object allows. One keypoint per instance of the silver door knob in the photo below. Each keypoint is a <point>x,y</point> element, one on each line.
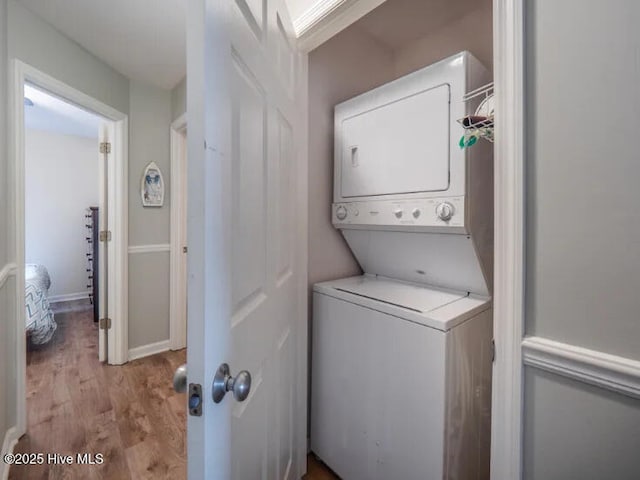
<point>180,379</point>
<point>223,382</point>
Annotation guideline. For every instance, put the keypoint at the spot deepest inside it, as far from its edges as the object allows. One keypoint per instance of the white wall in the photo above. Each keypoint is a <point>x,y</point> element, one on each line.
<point>61,182</point>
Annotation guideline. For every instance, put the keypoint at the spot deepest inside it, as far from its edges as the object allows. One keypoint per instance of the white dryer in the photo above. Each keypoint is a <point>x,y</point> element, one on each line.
<point>401,384</point>
<point>401,363</point>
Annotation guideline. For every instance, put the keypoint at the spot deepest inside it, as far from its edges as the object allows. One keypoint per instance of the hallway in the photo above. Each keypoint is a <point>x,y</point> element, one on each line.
<point>130,414</point>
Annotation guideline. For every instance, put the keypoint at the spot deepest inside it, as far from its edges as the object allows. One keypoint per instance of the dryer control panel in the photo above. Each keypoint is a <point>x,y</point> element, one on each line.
<point>429,213</point>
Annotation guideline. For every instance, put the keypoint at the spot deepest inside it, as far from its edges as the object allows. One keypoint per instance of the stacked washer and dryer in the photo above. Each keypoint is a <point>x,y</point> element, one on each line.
<point>401,356</point>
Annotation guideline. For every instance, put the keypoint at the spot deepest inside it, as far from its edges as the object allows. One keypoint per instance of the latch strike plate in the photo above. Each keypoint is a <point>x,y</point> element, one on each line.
<point>195,399</point>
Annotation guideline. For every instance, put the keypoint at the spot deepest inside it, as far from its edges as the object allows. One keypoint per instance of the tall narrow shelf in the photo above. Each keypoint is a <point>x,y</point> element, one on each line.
<point>93,273</point>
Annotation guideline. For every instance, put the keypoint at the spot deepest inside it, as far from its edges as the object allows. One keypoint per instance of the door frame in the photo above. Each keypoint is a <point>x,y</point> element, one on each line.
<point>325,19</point>
<point>178,267</point>
<point>118,208</point>
<point>509,246</point>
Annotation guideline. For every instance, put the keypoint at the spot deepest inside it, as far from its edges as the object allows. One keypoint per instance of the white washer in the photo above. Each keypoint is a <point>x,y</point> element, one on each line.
<point>401,385</point>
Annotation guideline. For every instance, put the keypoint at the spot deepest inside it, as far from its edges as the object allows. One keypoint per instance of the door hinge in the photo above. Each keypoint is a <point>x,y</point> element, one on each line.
<point>493,350</point>
<point>105,235</point>
<point>105,147</point>
<point>104,324</point>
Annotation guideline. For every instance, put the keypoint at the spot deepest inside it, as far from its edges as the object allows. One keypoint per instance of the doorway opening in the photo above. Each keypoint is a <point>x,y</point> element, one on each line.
<point>63,204</point>
<point>70,155</point>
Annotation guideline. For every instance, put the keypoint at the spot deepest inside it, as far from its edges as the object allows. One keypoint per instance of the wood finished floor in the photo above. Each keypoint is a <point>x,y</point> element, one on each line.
<point>317,471</point>
<point>129,413</point>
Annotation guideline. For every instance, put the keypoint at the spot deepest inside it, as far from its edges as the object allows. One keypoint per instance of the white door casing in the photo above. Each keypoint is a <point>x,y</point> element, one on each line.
<point>509,211</point>
<point>246,103</point>
<point>117,127</point>
<point>178,257</point>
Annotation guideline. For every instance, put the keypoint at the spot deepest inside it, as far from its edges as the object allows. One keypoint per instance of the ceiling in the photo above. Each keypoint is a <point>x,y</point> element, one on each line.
<point>397,23</point>
<point>146,39</point>
<point>51,114</point>
<point>142,39</point>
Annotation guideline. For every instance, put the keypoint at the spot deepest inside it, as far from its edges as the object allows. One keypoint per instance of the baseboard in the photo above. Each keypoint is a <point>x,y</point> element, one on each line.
<point>68,297</point>
<point>10,440</point>
<point>150,349</point>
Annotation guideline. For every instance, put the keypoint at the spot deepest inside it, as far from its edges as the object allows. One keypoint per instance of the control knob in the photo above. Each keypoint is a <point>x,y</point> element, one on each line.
<point>341,212</point>
<point>445,211</point>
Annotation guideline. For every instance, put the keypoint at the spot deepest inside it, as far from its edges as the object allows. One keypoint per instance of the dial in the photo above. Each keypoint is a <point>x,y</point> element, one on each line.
<point>445,211</point>
<point>416,212</point>
<point>398,213</point>
<point>341,212</point>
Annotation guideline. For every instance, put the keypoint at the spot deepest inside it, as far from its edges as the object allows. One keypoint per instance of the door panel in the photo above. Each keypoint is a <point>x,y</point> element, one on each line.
<point>244,98</point>
<point>249,206</point>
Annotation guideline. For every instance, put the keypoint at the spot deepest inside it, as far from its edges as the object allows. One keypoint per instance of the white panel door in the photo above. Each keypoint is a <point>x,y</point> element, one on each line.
<point>246,231</point>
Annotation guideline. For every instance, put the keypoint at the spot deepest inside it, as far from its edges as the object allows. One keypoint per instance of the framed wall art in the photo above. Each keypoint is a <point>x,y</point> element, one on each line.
<point>152,186</point>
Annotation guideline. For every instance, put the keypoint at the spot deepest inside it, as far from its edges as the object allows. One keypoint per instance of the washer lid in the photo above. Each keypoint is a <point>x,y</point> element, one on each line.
<point>416,298</point>
<point>429,306</point>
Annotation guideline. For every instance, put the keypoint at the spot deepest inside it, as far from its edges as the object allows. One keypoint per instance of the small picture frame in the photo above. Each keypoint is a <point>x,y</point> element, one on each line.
<point>152,186</point>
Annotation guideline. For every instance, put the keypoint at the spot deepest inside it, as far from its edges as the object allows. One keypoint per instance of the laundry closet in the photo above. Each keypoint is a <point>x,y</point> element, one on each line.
<point>400,243</point>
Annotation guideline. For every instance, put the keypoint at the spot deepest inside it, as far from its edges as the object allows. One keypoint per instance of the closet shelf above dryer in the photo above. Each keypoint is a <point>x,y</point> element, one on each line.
<point>480,124</point>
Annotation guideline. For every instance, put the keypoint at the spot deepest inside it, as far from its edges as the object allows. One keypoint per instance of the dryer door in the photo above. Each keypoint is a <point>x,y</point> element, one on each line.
<point>398,148</point>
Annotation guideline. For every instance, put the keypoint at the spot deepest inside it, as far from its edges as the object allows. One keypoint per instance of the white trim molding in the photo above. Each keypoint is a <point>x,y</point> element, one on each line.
<point>315,14</point>
<point>619,374</point>
<point>68,297</point>
<point>147,350</point>
<point>326,18</point>
<point>508,323</point>
<point>178,214</point>
<point>7,271</point>
<point>152,248</point>
<point>10,440</point>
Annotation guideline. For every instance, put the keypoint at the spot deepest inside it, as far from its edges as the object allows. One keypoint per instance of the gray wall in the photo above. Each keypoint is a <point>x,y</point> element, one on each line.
<point>40,45</point>
<point>576,431</point>
<point>37,43</point>
<point>583,229</point>
<point>26,37</point>
<point>149,121</point>
<point>179,99</point>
